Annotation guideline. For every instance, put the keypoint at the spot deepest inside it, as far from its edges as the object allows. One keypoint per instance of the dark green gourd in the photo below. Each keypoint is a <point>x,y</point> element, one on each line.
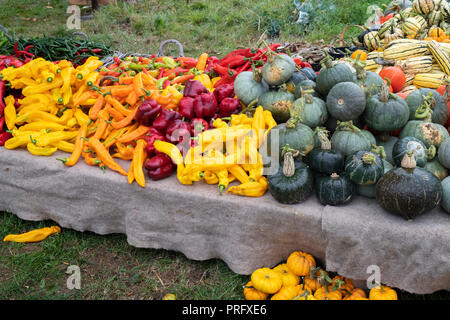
<point>323,159</point>
<point>293,183</point>
<point>364,168</point>
<point>346,101</point>
<point>278,102</point>
<point>409,191</point>
<point>334,190</point>
<point>331,74</point>
<point>312,110</point>
<point>349,139</point>
<point>407,144</point>
<point>439,106</point>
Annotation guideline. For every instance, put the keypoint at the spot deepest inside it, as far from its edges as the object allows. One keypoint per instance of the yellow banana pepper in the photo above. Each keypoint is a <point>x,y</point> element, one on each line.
<point>250,189</point>
<point>65,146</point>
<point>39,125</point>
<point>10,112</point>
<point>41,88</point>
<point>51,138</point>
<point>33,235</point>
<point>81,117</point>
<point>40,151</point>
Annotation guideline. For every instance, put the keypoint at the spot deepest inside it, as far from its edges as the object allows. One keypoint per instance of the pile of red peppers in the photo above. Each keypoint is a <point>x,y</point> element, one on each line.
<point>17,60</point>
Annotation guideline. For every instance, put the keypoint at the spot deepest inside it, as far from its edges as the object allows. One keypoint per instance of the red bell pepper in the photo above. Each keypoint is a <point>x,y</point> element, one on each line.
<point>186,107</point>
<point>178,132</point>
<point>193,88</point>
<point>205,105</point>
<point>159,167</point>
<point>198,125</point>
<point>4,136</point>
<point>228,106</point>
<point>151,137</point>
<point>165,118</point>
<point>224,91</point>
<point>147,112</point>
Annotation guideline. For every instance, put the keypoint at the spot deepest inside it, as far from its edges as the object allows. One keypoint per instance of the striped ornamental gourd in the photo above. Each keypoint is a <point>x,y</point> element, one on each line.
<point>414,65</point>
<point>440,55</point>
<point>430,80</point>
<point>423,7</point>
<point>405,48</point>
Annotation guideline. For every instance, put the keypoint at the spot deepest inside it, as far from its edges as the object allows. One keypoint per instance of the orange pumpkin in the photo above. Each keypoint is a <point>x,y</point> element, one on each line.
<point>361,53</point>
<point>288,278</point>
<point>382,293</point>
<point>356,293</point>
<point>250,293</point>
<point>437,34</point>
<point>300,263</point>
<point>327,293</point>
<point>396,76</point>
<point>286,293</point>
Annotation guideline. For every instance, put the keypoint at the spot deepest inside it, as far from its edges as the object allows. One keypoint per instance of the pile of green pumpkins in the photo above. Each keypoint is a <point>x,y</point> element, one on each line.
<point>342,133</point>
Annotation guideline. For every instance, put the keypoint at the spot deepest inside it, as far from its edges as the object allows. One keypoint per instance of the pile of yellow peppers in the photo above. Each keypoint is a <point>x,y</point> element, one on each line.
<point>240,161</point>
<point>50,114</point>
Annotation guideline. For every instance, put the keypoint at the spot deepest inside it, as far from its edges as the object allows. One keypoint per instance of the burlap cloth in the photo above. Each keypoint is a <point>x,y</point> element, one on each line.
<point>246,233</point>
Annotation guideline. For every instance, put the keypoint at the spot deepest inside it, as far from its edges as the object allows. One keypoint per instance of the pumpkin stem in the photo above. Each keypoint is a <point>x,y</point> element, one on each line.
<point>431,152</point>
<point>325,143</point>
<point>384,93</point>
<point>347,126</point>
<point>408,161</point>
<point>307,94</point>
<point>249,107</point>
<point>327,61</point>
<point>379,150</point>
<point>334,175</point>
<point>369,158</point>
<point>288,165</point>
<point>295,114</point>
<point>425,111</point>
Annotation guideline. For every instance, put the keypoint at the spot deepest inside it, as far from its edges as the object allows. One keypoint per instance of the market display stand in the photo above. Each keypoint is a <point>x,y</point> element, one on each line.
<point>246,233</point>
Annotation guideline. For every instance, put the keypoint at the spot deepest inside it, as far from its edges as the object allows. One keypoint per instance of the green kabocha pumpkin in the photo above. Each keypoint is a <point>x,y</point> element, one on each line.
<point>428,132</point>
<point>293,182</point>
<point>278,69</point>
<point>369,81</point>
<point>410,144</point>
<point>303,86</point>
<point>323,159</point>
<point>309,73</point>
<point>417,98</point>
<point>249,86</point>
<point>294,81</point>
<point>409,191</point>
<point>346,101</point>
<point>386,112</point>
<point>312,110</point>
<point>364,168</point>
<point>436,168</point>
<point>387,142</point>
<point>349,139</point>
<point>278,102</point>
<point>293,134</point>
<point>332,123</point>
<point>331,74</point>
<point>370,191</point>
<point>444,153</point>
<point>445,202</point>
<point>334,190</point>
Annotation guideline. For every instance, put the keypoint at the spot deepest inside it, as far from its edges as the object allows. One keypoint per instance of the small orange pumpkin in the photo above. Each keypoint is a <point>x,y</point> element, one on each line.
<point>327,293</point>
<point>356,293</point>
<point>437,34</point>
<point>250,293</point>
<point>382,293</point>
<point>300,263</point>
<point>361,53</point>
<point>288,278</point>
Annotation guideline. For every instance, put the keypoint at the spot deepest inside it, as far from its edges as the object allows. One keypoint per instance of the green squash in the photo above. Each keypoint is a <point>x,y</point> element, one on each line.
<point>349,139</point>
<point>293,183</point>
<point>346,101</point>
<point>369,81</point>
<point>444,153</point>
<point>293,134</point>
<point>309,73</point>
<point>293,82</point>
<point>386,112</point>
<point>249,86</point>
<point>331,74</point>
<point>425,130</point>
<point>387,142</point>
<point>278,102</point>
<point>370,191</point>
<point>436,168</point>
<point>305,85</point>
<point>313,111</point>
<point>325,160</point>
<point>332,123</point>
<point>364,168</point>
<point>334,190</point>
<point>408,191</point>
<point>445,203</point>
<point>278,69</point>
<point>410,144</point>
<point>439,106</point>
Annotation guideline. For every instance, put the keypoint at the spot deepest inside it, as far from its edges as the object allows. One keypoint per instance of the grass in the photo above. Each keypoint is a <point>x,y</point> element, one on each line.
<point>213,26</point>
<point>110,267</point>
